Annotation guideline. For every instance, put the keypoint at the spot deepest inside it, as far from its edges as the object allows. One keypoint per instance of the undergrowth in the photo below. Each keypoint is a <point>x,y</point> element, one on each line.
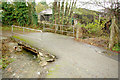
<point>116,47</point>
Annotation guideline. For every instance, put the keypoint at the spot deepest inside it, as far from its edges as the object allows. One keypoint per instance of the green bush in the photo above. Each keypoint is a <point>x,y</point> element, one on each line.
<point>18,13</point>
<point>116,47</point>
<point>95,27</point>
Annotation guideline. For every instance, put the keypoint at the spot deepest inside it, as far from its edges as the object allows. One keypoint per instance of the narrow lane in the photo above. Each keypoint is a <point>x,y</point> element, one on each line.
<point>75,59</point>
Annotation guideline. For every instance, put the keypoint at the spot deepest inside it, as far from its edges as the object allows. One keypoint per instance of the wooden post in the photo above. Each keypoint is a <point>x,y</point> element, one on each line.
<point>56,28</point>
<point>23,29</point>
<point>12,28</point>
<point>77,28</point>
<point>77,32</point>
<point>62,29</point>
<point>73,31</point>
<point>43,26</point>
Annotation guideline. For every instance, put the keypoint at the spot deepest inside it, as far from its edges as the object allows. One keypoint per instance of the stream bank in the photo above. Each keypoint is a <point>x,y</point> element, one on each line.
<point>24,65</point>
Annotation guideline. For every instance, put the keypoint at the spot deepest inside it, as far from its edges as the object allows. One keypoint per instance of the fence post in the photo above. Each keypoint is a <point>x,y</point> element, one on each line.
<point>62,29</point>
<point>12,28</point>
<point>77,32</point>
<point>43,26</point>
<point>73,31</point>
<point>23,29</point>
<point>56,28</point>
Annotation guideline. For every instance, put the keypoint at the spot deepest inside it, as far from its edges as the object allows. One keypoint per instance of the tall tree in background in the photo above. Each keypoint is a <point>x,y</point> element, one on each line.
<point>71,11</point>
<point>32,12</point>
<point>21,13</point>
<point>62,12</point>
<point>41,6</point>
<point>113,12</point>
<point>59,12</point>
<point>0,11</point>
<point>115,27</point>
<point>55,11</point>
<point>66,12</point>
<point>7,13</point>
<point>62,15</point>
<point>66,8</point>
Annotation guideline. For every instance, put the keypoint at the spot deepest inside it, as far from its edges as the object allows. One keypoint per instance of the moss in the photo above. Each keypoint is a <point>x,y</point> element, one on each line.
<point>53,71</point>
<point>22,39</point>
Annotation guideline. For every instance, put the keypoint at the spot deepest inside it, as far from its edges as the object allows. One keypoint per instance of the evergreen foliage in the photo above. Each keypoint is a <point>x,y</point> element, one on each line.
<point>19,13</point>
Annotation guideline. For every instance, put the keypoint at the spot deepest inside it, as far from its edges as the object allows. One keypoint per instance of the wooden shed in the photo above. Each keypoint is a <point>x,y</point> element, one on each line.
<point>45,15</point>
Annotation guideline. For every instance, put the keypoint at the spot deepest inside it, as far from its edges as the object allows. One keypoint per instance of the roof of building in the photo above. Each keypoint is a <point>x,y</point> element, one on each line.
<point>47,11</point>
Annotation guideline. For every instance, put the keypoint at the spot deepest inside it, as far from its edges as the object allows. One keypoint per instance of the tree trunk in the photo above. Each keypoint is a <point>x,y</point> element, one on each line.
<point>59,12</point>
<point>71,8</point>
<point>112,34</point>
<point>55,14</point>
<point>62,16</point>
<point>66,9</point>
<point>66,13</point>
<point>71,12</point>
<point>30,12</point>
<point>117,29</point>
<point>118,24</point>
<point>62,12</point>
<point>55,10</point>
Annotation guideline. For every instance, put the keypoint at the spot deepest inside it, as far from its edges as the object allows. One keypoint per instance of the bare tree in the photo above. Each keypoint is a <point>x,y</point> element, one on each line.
<point>112,9</point>
<point>59,12</point>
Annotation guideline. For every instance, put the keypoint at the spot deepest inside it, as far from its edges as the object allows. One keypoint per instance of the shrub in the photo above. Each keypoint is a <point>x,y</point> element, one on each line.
<point>95,27</point>
<point>116,47</point>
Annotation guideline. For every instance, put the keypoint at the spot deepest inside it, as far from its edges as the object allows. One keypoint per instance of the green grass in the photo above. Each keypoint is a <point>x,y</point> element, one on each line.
<point>5,61</point>
<point>6,28</point>
<point>53,70</point>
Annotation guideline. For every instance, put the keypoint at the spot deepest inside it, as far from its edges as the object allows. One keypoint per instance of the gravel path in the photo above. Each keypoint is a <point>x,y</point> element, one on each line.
<point>75,59</point>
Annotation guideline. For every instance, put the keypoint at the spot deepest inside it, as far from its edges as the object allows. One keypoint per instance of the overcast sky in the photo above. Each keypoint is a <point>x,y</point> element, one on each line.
<point>91,7</point>
<point>88,6</point>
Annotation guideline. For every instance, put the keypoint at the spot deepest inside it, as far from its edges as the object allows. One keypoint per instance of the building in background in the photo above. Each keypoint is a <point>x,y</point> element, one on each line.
<point>45,15</point>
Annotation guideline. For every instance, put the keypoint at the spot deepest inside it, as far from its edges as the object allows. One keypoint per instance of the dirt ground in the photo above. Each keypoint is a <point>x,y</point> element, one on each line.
<point>25,64</point>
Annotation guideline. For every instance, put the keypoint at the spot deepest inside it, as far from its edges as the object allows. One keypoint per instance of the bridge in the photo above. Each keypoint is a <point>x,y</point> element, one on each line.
<point>75,59</point>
